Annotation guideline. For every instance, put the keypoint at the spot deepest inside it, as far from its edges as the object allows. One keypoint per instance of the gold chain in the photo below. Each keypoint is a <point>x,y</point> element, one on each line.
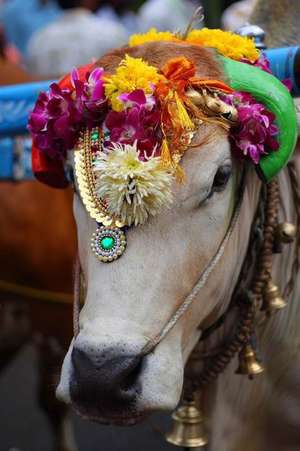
<point>85,176</point>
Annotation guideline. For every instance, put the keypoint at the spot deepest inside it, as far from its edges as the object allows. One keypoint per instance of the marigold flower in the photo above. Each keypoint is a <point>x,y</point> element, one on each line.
<point>150,36</point>
<point>132,74</point>
<point>228,44</point>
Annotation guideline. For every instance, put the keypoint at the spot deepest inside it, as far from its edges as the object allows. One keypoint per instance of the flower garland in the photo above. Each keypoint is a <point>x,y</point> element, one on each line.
<point>147,117</point>
<point>225,42</point>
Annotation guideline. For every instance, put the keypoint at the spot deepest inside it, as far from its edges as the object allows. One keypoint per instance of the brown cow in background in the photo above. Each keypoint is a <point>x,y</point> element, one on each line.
<point>37,251</point>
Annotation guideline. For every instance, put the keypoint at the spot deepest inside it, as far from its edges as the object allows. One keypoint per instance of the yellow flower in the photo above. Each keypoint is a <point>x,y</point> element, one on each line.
<point>133,189</point>
<point>132,73</point>
<point>150,36</point>
<point>227,43</point>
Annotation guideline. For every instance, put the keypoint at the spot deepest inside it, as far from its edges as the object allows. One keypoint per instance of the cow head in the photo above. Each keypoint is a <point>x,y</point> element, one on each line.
<point>107,375</point>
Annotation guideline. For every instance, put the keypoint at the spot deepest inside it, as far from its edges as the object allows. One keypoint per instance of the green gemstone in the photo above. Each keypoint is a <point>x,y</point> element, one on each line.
<point>107,243</point>
<point>95,136</point>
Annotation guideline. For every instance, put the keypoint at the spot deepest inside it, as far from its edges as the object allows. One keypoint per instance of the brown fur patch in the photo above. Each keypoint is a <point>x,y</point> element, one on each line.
<point>158,53</point>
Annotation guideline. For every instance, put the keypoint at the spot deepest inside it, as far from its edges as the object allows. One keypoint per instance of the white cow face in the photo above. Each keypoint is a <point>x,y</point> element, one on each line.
<point>129,301</point>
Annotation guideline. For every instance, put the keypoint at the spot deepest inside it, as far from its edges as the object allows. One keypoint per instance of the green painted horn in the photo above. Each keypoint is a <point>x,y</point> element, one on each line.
<point>269,91</point>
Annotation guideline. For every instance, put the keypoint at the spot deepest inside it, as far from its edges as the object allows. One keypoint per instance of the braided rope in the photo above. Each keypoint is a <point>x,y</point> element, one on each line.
<point>200,283</point>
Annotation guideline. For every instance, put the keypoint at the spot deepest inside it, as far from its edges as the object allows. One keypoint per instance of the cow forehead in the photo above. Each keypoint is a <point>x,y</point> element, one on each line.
<point>158,53</point>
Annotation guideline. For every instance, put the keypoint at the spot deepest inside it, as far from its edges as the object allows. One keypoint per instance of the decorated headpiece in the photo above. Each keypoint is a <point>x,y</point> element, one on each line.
<point>129,130</point>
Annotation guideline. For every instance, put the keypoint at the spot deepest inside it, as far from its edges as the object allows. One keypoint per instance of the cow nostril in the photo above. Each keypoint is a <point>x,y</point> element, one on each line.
<point>130,380</point>
<point>107,377</point>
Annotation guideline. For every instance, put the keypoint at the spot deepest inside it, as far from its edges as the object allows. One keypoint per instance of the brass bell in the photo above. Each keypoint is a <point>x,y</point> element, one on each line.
<point>248,363</point>
<point>272,298</point>
<point>188,427</point>
<point>286,232</point>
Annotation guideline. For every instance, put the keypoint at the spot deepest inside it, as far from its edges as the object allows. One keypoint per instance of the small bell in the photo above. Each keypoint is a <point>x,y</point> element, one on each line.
<point>248,363</point>
<point>188,428</point>
<point>273,301</point>
<point>286,232</point>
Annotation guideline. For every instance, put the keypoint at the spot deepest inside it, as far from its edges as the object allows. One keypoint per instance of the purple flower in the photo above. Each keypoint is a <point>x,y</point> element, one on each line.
<point>60,113</point>
<point>92,89</point>
<point>137,98</point>
<point>55,121</point>
<point>89,95</point>
<point>256,133</point>
<point>135,124</point>
<point>263,63</point>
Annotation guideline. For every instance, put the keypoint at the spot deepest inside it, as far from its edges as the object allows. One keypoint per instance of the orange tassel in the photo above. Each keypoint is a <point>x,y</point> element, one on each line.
<point>179,68</point>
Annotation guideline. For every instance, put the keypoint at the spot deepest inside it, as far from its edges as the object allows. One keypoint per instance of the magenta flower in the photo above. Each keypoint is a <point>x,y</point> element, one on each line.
<point>59,114</point>
<point>135,124</point>
<point>89,95</point>
<point>137,98</point>
<point>256,133</point>
<point>263,63</point>
<point>55,121</point>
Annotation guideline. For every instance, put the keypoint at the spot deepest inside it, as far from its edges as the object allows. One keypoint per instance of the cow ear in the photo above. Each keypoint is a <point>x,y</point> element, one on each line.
<point>48,171</point>
<point>269,91</point>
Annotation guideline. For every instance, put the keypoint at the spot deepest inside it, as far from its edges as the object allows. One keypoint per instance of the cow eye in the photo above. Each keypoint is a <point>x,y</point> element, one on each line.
<point>221,179</point>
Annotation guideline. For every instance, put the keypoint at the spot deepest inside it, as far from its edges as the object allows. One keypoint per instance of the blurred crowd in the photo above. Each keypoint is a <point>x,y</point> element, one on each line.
<point>52,36</point>
<point>49,37</point>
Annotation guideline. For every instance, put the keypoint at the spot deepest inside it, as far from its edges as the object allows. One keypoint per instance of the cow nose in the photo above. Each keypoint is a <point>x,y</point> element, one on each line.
<point>106,380</point>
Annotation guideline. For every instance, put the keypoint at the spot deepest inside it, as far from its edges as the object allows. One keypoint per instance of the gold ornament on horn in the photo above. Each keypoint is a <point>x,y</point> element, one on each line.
<point>248,363</point>
<point>188,427</point>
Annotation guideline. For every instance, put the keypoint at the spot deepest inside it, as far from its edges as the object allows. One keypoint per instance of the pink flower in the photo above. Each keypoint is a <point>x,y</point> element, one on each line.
<point>256,133</point>
<point>55,121</point>
<point>263,63</point>
<point>59,114</point>
<point>135,124</point>
<point>137,98</point>
<point>89,95</point>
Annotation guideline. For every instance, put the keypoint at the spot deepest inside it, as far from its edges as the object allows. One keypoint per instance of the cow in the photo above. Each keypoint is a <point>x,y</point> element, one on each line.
<point>106,374</point>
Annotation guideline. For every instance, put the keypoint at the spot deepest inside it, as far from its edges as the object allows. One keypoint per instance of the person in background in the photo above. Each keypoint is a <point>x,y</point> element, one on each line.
<point>173,15</point>
<point>21,18</point>
<point>237,14</point>
<point>120,11</point>
<point>74,39</point>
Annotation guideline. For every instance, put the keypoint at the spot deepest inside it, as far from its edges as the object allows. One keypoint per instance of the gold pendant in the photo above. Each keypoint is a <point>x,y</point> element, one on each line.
<point>109,241</point>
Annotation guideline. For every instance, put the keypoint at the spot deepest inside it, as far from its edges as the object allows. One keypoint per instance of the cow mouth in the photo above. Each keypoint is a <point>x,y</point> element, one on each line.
<point>129,418</point>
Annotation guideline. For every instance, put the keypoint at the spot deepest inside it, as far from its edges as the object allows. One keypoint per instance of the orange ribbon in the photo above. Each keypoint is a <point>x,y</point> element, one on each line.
<point>179,73</point>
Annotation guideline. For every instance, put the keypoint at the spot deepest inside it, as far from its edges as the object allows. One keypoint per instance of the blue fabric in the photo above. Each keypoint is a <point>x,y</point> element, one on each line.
<point>6,158</point>
<point>16,101</point>
<point>15,159</point>
<point>282,62</point>
<point>21,18</point>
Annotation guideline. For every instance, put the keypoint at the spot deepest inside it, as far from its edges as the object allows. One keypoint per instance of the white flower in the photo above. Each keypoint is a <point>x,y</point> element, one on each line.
<point>133,189</point>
